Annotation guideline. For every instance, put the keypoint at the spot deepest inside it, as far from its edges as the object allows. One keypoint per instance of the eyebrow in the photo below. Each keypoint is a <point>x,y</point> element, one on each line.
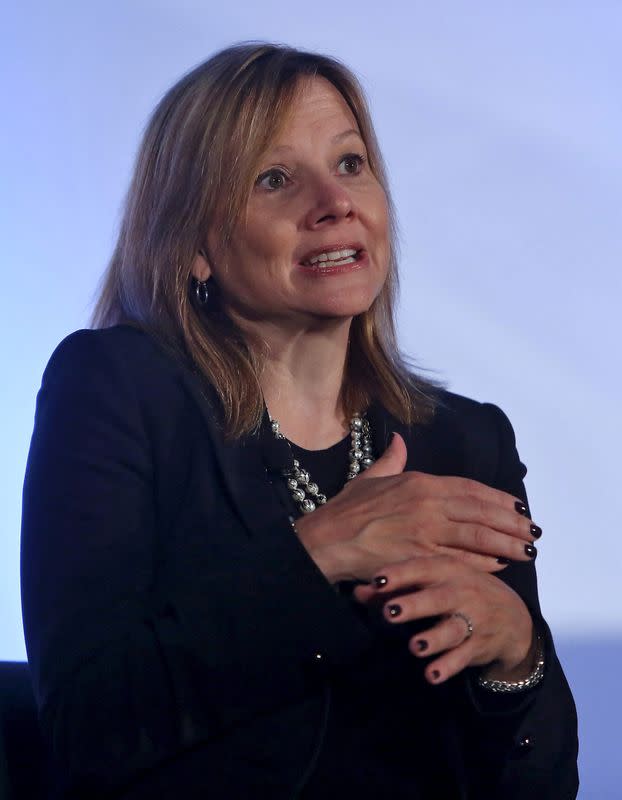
<point>335,140</point>
<point>345,134</point>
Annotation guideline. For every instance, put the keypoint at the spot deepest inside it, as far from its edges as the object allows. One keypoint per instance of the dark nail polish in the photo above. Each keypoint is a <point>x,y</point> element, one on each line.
<point>536,531</point>
<point>503,560</point>
<point>521,508</point>
<point>380,581</point>
<point>435,674</point>
<point>394,610</point>
<point>422,645</point>
<point>531,551</point>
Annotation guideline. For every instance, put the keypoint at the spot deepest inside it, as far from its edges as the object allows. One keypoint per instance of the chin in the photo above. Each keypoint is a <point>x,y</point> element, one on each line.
<point>343,307</point>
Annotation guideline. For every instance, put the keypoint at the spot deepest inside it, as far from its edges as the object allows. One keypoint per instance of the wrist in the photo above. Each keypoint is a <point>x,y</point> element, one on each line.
<point>328,556</point>
<point>518,658</point>
<point>525,675</point>
<point>332,562</point>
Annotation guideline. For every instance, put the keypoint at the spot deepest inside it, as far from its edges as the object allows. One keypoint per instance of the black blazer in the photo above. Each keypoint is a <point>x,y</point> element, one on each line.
<point>180,637</point>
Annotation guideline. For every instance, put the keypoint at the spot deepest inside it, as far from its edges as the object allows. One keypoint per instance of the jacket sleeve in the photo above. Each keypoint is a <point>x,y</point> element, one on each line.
<point>127,670</point>
<point>525,744</point>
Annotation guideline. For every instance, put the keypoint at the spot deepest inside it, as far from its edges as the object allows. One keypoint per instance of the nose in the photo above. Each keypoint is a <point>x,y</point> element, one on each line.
<point>330,202</point>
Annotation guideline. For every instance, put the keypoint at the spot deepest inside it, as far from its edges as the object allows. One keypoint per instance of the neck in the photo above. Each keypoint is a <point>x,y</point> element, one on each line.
<point>302,379</point>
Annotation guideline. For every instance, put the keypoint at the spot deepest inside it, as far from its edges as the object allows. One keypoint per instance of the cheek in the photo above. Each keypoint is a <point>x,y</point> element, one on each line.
<point>383,214</point>
<point>255,263</point>
<point>266,239</point>
<point>379,224</point>
<point>377,210</point>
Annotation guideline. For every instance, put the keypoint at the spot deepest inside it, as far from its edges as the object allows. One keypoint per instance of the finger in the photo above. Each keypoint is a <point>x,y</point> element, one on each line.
<point>364,593</point>
<point>489,516</point>
<point>368,592</point>
<point>418,572</point>
<point>479,562</point>
<point>466,487</point>
<point>367,595</point>
<point>450,632</point>
<point>483,540</point>
<point>432,601</point>
<point>451,662</point>
<point>391,462</point>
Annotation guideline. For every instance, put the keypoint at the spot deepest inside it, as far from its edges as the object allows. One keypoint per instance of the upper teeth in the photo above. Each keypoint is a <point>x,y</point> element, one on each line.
<point>333,255</point>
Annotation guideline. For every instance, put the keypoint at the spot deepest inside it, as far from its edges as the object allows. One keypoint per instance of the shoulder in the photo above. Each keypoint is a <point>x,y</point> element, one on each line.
<point>472,417</point>
<point>476,437</point>
<point>121,343</point>
<point>116,395</point>
<point>123,353</point>
<point>121,367</point>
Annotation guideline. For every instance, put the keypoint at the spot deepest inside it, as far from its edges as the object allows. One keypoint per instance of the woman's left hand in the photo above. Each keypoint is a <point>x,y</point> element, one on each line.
<point>440,585</point>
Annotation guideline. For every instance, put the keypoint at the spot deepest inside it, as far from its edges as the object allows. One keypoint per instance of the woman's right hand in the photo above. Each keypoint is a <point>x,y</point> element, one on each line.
<point>387,515</point>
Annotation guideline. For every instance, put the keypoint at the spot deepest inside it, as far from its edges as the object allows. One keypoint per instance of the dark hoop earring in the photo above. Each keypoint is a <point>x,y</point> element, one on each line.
<point>202,293</point>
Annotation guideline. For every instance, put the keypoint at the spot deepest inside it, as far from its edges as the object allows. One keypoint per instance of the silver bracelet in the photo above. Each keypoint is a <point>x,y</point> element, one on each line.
<point>529,682</point>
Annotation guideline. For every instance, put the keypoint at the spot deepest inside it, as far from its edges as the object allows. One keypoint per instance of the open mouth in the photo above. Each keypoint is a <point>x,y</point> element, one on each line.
<point>329,259</point>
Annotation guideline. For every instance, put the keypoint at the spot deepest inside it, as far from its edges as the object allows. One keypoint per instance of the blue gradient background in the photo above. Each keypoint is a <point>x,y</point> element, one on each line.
<point>501,124</point>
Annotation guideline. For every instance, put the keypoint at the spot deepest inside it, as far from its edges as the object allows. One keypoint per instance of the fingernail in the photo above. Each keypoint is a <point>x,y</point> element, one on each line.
<point>531,551</point>
<point>394,610</point>
<point>503,560</point>
<point>422,645</point>
<point>435,674</point>
<point>380,580</point>
<point>536,531</point>
<point>521,508</point>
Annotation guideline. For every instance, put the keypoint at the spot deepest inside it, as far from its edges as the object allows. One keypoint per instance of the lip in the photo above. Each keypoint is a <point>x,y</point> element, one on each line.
<point>328,248</point>
<point>319,271</point>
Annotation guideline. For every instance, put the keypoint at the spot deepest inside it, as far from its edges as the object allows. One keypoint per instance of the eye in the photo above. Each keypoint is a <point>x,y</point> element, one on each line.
<point>351,164</point>
<point>272,180</point>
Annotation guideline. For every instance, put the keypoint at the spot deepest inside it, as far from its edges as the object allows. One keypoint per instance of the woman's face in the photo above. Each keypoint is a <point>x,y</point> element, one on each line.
<point>315,240</point>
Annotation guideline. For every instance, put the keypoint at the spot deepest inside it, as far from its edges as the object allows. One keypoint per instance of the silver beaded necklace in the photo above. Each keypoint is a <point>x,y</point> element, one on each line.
<point>306,492</point>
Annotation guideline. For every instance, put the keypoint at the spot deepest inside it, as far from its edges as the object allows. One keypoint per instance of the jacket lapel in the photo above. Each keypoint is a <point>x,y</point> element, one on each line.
<point>245,471</point>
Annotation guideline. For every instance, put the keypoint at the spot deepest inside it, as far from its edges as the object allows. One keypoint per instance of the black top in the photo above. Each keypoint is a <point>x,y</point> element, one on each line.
<point>182,643</point>
<point>328,468</point>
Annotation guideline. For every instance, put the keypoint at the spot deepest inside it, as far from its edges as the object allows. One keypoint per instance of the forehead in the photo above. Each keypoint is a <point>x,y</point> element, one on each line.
<point>317,108</point>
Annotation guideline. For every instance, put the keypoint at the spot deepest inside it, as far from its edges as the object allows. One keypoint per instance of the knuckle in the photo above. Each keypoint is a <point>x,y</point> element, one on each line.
<point>427,506</point>
<point>428,534</point>
<point>420,481</point>
<point>471,558</point>
<point>443,597</point>
<point>422,533</point>
<point>478,506</point>
<point>472,596</point>
<point>417,476</point>
<point>483,509</point>
<point>466,486</point>
<point>481,536</point>
<point>408,485</point>
<point>445,561</point>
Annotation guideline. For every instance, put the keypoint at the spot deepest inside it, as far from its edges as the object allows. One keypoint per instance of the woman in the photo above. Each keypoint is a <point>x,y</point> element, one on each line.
<point>260,558</point>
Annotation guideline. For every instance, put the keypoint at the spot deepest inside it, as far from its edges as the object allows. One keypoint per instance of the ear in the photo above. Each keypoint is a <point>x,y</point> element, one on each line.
<point>201,268</point>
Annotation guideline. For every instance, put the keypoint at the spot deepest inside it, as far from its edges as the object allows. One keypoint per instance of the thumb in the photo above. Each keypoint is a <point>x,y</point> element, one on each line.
<point>391,462</point>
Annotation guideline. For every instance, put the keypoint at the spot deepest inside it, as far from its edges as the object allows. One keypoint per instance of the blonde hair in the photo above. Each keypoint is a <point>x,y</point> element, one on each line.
<point>203,143</point>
